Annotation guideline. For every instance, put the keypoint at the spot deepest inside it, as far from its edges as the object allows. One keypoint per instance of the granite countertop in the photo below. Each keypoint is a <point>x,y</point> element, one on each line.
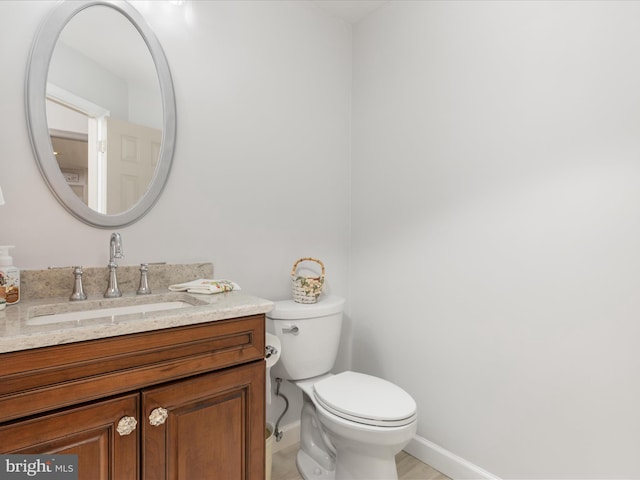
<point>25,325</point>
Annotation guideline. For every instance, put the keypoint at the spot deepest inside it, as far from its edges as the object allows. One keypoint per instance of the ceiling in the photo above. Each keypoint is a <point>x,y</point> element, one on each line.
<point>349,10</point>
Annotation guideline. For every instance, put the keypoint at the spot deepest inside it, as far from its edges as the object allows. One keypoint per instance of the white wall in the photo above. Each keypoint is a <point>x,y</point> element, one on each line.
<point>496,228</point>
<point>84,77</point>
<point>261,169</point>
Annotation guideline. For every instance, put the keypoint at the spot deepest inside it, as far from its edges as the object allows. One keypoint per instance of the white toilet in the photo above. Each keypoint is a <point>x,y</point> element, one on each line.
<point>352,425</point>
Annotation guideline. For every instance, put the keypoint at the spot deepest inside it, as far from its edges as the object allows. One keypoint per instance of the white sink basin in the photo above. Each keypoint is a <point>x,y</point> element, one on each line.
<point>44,315</point>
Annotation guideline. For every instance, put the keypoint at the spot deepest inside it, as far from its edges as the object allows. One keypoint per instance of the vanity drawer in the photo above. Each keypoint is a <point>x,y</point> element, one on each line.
<point>43,379</point>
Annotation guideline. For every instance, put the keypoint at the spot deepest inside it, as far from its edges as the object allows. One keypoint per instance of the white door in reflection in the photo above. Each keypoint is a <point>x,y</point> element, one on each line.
<point>131,159</point>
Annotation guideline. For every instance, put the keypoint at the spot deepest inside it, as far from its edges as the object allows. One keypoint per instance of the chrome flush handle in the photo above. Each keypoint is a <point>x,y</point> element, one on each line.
<point>293,330</point>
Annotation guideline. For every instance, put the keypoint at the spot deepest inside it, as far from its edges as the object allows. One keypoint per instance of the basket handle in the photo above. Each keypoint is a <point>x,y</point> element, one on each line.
<point>295,265</point>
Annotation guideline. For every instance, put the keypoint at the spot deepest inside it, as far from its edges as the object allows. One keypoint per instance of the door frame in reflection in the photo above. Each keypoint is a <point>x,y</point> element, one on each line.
<point>96,117</point>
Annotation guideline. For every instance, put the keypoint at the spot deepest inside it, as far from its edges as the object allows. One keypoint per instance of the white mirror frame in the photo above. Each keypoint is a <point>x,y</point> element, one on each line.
<point>36,88</point>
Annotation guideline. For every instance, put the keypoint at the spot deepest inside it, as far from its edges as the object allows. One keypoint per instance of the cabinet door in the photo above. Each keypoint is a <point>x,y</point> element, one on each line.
<point>214,427</point>
<point>89,431</point>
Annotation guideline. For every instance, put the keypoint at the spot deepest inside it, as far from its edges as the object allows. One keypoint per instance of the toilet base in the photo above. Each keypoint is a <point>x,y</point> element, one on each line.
<point>351,466</point>
<point>355,465</point>
<point>310,469</point>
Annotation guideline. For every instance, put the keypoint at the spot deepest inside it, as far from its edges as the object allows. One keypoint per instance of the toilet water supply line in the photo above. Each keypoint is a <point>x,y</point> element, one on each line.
<point>278,433</point>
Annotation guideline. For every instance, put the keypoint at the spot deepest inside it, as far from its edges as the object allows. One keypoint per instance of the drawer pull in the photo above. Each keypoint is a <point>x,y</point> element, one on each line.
<point>158,416</point>
<point>126,425</point>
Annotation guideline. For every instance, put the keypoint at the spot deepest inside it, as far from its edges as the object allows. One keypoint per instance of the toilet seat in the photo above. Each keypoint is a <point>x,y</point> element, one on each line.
<point>365,399</point>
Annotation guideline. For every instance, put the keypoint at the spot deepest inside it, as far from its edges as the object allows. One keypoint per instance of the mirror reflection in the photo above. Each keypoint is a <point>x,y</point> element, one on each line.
<point>104,110</point>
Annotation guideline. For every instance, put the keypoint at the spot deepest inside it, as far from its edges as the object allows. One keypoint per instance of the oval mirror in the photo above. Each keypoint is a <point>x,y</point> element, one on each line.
<point>101,111</point>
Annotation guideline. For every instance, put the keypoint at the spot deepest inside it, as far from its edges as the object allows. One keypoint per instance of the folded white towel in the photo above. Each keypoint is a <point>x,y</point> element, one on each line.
<point>206,286</point>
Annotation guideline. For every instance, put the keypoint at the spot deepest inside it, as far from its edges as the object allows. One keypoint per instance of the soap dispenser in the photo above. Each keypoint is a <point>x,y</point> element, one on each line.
<point>9,277</point>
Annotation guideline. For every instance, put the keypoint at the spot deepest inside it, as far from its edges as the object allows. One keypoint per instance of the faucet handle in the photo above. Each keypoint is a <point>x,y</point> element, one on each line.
<point>143,288</point>
<point>78,291</point>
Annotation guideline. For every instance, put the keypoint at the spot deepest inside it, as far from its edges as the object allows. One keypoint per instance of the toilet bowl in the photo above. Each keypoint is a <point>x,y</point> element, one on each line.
<point>352,425</point>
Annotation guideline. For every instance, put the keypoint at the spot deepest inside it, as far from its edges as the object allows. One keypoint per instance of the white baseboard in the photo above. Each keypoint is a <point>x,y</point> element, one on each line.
<point>446,462</point>
<point>290,436</point>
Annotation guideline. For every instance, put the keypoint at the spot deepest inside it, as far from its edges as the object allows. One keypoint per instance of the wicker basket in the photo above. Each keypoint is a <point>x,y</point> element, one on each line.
<point>306,289</point>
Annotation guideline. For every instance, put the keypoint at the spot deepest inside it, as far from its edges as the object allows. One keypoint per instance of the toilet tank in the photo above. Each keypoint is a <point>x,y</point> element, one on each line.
<point>309,335</point>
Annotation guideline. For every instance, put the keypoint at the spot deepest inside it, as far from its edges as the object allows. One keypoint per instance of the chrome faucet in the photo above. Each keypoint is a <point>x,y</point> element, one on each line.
<point>115,251</point>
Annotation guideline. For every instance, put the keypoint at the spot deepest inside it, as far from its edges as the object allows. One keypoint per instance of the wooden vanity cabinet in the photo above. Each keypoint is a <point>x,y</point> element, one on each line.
<point>196,394</point>
<point>217,409</point>
<point>87,431</point>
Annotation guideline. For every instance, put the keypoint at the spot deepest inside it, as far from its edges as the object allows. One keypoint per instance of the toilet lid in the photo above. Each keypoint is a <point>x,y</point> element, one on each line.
<point>365,399</point>
<point>290,310</point>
